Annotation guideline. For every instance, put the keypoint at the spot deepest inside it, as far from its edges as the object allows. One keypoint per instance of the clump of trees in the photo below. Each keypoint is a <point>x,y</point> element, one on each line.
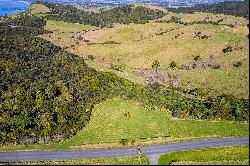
<point>24,25</point>
<point>235,8</point>
<point>123,15</point>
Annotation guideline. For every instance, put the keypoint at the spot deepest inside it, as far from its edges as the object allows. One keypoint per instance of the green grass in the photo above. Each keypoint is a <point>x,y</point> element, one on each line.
<point>126,160</point>
<point>66,27</point>
<point>226,155</point>
<point>108,125</point>
<point>140,46</point>
<point>62,32</point>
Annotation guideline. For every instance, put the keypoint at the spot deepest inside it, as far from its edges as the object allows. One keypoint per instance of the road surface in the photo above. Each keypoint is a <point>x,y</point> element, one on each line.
<point>152,152</point>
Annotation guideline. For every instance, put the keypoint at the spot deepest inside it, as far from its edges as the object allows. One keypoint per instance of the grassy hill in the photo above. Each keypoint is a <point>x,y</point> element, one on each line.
<point>114,120</point>
<point>117,122</point>
<point>130,50</point>
<point>236,8</point>
<point>136,47</point>
<point>47,93</point>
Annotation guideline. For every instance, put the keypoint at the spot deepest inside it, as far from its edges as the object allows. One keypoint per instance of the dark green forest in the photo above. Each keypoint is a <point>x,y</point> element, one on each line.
<point>124,15</point>
<point>235,8</point>
<point>47,94</point>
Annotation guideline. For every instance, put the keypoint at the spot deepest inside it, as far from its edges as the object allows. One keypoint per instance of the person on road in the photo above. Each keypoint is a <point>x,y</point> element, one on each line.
<point>139,150</point>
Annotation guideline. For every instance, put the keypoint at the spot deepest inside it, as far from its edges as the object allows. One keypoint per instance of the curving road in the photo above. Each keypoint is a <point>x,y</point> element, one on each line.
<point>152,151</point>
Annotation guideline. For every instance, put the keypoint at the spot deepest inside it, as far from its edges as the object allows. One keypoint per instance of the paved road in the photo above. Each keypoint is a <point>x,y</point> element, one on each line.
<point>149,151</point>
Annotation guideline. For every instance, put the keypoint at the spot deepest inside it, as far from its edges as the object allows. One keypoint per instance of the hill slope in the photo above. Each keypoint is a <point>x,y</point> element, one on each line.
<point>48,94</point>
<point>236,8</point>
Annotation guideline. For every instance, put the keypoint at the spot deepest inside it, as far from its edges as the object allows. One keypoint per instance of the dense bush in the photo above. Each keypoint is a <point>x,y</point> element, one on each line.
<point>124,15</point>
<point>24,24</point>
<point>235,8</point>
<point>46,93</point>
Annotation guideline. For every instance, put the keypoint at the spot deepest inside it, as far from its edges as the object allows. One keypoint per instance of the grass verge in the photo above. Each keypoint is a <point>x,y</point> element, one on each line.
<point>225,155</point>
<point>127,160</point>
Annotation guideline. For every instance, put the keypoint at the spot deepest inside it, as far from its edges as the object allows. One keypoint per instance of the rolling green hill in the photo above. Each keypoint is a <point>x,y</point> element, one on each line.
<point>47,92</point>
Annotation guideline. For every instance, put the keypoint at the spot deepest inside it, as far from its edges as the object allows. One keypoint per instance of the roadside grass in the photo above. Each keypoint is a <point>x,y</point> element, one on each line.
<point>234,155</point>
<point>109,125</point>
<point>125,160</point>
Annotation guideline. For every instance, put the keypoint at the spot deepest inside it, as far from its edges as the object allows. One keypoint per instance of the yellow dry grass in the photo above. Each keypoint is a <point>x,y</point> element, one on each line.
<point>138,45</point>
<point>38,8</point>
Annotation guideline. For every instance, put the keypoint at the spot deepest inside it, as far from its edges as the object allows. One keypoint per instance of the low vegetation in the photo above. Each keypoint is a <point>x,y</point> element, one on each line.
<point>235,155</point>
<point>127,160</point>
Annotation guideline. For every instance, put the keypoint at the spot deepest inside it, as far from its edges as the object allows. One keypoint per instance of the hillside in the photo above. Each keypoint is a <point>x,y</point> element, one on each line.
<point>235,8</point>
<point>130,50</point>
<point>106,18</point>
<point>47,92</point>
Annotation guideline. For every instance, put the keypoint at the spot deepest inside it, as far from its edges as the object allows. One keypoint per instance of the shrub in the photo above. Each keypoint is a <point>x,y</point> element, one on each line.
<point>198,57</point>
<point>228,49</point>
<point>173,64</point>
<point>124,142</point>
<point>91,57</point>
<point>115,67</point>
<point>132,142</point>
<point>238,64</point>
<point>79,38</point>
<point>217,66</point>
<point>127,114</point>
<point>156,65</point>
<point>199,92</point>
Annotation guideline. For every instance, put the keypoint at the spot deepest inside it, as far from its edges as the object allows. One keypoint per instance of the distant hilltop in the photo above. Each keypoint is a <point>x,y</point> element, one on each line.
<point>164,3</point>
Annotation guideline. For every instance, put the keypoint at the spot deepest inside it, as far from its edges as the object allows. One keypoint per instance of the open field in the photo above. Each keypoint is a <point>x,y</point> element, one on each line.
<point>109,124</point>
<point>127,160</point>
<point>62,32</point>
<point>114,120</point>
<point>134,47</point>
<point>235,155</point>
